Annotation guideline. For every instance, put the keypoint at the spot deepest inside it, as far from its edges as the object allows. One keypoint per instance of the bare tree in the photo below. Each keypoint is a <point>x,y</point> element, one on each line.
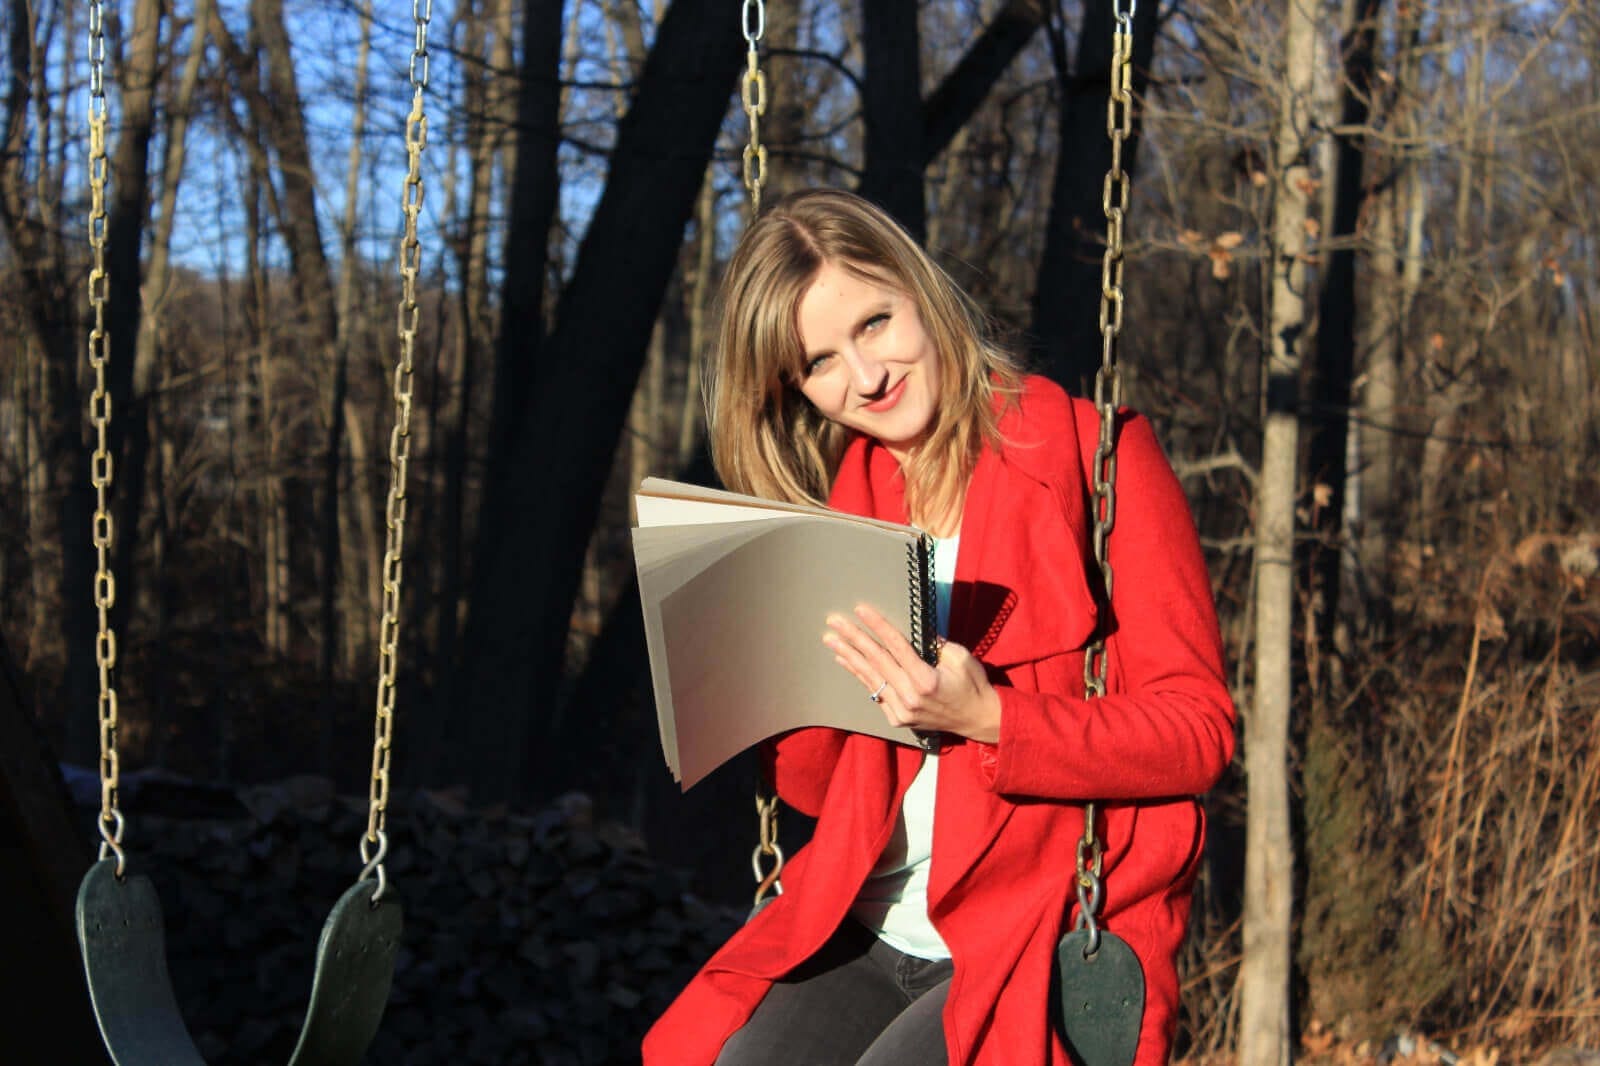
<point>130,379</point>
<point>1337,319</point>
<point>351,547</point>
<point>30,197</point>
<point>1265,1038</point>
<point>1068,289</point>
<point>892,89</point>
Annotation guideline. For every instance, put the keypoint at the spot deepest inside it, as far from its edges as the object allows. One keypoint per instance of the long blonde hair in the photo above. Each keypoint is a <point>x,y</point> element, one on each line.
<point>766,438</point>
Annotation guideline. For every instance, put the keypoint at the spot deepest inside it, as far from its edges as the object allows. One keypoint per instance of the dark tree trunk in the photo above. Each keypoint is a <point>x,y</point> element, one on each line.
<point>892,90</point>
<point>535,185</point>
<point>39,260</point>
<point>1336,328</point>
<point>1067,298</point>
<point>130,211</point>
<point>44,1004</point>
<point>534,188</point>
<point>967,84</point>
<point>544,496</point>
<point>311,280</point>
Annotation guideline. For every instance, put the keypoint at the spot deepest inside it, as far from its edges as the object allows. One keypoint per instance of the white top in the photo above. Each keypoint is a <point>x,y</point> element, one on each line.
<point>894,901</point>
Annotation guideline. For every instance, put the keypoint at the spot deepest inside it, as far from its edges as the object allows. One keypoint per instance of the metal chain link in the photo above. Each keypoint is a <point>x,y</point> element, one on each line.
<point>753,93</point>
<point>105,587</point>
<point>767,880</point>
<point>375,841</point>
<point>1107,398</point>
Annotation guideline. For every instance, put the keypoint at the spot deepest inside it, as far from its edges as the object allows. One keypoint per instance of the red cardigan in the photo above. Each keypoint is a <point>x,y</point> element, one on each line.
<point>1000,888</point>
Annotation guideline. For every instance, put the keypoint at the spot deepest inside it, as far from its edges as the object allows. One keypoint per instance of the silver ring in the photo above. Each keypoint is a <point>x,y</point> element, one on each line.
<point>877,697</point>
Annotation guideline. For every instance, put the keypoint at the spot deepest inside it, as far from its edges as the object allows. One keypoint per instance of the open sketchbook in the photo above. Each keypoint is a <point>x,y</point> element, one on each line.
<point>736,592</point>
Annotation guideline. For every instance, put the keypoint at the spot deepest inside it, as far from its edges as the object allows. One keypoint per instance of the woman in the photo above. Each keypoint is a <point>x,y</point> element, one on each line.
<point>920,923</point>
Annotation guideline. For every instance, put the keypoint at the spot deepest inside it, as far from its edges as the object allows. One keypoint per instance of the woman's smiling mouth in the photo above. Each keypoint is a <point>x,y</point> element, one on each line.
<point>888,399</point>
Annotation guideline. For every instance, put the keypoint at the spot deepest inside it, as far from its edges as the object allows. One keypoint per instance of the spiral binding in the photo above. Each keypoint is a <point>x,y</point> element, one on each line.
<point>924,604</point>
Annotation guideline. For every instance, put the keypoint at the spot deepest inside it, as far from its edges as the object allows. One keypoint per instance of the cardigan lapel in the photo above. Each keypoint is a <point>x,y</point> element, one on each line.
<point>1021,587</point>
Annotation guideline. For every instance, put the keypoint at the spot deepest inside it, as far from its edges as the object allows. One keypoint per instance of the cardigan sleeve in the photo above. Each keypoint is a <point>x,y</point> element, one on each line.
<point>1166,727</point>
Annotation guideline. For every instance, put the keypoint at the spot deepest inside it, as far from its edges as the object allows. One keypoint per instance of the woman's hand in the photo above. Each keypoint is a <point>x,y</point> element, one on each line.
<point>953,697</point>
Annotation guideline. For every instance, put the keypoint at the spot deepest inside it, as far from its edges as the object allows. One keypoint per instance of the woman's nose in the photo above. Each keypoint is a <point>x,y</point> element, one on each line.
<point>870,375</point>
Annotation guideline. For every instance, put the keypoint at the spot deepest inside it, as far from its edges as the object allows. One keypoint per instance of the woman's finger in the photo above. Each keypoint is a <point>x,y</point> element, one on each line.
<point>862,655</point>
<point>888,637</point>
<point>863,650</point>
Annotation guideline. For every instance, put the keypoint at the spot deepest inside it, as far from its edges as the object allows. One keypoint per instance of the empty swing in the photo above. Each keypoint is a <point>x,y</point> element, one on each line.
<point>119,921</point>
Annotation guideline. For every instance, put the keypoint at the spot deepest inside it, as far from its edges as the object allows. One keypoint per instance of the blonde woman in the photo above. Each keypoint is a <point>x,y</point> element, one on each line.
<point>920,923</point>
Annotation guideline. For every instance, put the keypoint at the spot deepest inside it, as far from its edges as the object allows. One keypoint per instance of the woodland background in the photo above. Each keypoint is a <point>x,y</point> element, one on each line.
<point>1374,220</point>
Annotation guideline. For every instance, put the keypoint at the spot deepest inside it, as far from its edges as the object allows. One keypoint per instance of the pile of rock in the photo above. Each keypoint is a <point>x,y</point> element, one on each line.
<point>546,938</point>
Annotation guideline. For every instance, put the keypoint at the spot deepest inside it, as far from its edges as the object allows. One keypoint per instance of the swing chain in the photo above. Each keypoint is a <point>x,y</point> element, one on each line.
<point>375,842</point>
<point>1090,860</point>
<point>1108,379</point>
<point>767,880</point>
<point>421,15</point>
<point>1107,398</point>
<point>753,93</point>
<point>110,821</point>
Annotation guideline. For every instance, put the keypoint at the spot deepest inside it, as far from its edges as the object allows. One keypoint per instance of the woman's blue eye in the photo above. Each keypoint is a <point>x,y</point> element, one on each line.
<point>814,364</point>
<point>875,321</point>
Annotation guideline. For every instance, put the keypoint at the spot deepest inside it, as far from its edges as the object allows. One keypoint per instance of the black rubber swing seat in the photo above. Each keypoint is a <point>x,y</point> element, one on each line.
<point>124,957</point>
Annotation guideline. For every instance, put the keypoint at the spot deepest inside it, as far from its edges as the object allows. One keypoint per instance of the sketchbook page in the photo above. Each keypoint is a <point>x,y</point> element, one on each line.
<point>678,502</point>
<point>743,638</point>
<point>666,557</point>
<point>658,547</point>
<point>669,511</point>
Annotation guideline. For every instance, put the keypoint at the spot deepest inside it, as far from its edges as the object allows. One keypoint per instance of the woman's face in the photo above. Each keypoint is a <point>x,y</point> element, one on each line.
<point>869,363</point>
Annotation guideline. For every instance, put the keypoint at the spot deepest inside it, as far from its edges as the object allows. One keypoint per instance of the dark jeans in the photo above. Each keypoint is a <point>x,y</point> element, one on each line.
<point>857,1002</point>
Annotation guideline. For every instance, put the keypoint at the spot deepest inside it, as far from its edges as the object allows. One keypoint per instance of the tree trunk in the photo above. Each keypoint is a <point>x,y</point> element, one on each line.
<point>1371,476</point>
<point>1066,298</point>
<point>1336,327</point>
<point>282,117</point>
<point>275,583</point>
<point>490,118</point>
<point>534,185</point>
<point>951,105</point>
<point>1396,275</point>
<point>44,1004</point>
<point>130,379</point>
<point>544,492</point>
<point>1264,977</point>
<point>351,561</point>
<point>691,417</point>
<point>891,90</point>
<point>791,99</point>
<point>38,253</point>
<point>148,374</point>
<point>43,544</point>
